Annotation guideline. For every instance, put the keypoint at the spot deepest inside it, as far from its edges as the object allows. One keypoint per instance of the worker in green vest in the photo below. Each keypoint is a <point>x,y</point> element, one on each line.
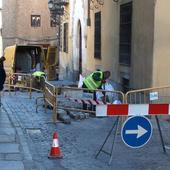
<point>38,74</point>
<point>95,81</point>
<point>39,79</point>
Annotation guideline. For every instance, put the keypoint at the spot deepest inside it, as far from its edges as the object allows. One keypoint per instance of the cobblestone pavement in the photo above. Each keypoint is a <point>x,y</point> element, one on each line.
<point>10,153</point>
<point>79,141</point>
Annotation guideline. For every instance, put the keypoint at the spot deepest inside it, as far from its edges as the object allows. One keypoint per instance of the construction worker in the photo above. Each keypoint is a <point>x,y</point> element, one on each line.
<point>39,77</point>
<point>38,74</point>
<point>94,81</point>
<point>2,73</point>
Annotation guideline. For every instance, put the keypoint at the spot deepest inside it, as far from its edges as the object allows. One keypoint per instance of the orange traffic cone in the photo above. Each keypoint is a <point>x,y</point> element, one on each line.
<point>55,149</point>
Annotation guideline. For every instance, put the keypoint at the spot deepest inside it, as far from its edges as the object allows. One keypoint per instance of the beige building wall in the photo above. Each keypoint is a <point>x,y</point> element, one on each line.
<point>109,40</point>
<point>150,42</point>
<point>161,68</point>
<point>141,70</point>
<point>17,22</point>
<point>142,42</point>
<point>66,64</point>
<point>9,22</point>
<point>78,13</point>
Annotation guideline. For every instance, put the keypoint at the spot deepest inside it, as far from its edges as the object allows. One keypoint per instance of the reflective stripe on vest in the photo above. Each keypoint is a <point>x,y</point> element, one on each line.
<point>91,83</point>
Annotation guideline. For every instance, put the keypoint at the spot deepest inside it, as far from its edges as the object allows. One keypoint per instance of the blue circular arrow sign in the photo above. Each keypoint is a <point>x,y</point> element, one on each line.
<point>136,131</point>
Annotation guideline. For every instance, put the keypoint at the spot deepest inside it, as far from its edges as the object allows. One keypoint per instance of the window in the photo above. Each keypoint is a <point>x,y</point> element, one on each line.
<point>125,84</point>
<point>53,22</point>
<point>35,20</point>
<point>65,38</point>
<point>125,33</point>
<point>97,36</point>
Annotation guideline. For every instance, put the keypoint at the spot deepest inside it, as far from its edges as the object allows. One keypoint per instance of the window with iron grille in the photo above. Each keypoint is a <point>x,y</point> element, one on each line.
<point>125,33</point>
<point>65,38</point>
<point>97,36</point>
<point>35,20</point>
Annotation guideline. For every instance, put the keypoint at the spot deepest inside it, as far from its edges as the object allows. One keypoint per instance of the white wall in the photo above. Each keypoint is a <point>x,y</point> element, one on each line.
<point>78,13</point>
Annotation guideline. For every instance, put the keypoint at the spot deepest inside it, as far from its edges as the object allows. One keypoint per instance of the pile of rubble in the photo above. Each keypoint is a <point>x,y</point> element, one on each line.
<point>67,116</point>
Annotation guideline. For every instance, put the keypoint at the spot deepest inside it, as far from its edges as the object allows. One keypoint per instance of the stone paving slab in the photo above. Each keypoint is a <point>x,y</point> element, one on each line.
<point>4,119</point>
<point>7,138</point>
<point>9,148</point>
<point>7,132</point>
<point>7,135</point>
<point>13,157</point>
<point>11,165</point>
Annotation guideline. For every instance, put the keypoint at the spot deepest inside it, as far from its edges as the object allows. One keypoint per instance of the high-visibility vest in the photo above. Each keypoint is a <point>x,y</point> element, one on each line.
<point>38,74</point>
<point>92,84</point>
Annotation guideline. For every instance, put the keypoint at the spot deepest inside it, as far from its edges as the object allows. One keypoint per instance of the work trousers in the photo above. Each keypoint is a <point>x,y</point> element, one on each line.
<point>92,107</point>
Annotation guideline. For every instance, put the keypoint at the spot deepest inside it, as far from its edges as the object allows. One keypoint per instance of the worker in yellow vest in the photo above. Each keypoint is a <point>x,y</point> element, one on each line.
<point>39,78</point>
<point>94,81</point>
<point>38,74</point>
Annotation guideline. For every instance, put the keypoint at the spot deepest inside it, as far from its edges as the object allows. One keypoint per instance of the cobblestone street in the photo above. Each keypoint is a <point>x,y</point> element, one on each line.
<point>31,139</point>
<point>84,85</point>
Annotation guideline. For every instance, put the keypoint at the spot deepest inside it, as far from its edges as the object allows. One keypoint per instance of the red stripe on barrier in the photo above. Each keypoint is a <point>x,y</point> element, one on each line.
<point>117,109</point>
<point>158,108</point>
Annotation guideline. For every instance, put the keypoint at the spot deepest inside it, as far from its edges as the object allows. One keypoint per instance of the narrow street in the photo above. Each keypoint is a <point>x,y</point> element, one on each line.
<point>99,71</point>
<point>26,138</point>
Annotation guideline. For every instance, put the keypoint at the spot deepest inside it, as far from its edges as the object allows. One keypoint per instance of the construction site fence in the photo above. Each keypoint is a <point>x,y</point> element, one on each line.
<point>50,99</point>
<point>15,81</point>
<point>73,99</point>
<point>148,95</point>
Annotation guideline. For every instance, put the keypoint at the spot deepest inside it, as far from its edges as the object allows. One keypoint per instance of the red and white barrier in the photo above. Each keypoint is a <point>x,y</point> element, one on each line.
<point>132,109</point>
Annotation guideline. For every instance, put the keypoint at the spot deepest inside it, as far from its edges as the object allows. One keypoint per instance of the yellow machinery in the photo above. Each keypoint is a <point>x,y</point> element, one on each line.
<point>29,58</point>
<point>52,63</point>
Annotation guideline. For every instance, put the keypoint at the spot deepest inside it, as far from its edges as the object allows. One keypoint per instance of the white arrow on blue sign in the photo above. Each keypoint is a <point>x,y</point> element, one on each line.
<point>136,131</point>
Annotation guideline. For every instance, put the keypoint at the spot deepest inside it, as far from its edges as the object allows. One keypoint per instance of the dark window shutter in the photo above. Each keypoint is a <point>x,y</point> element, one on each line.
<point>97,36</point>
<point>125,33</point>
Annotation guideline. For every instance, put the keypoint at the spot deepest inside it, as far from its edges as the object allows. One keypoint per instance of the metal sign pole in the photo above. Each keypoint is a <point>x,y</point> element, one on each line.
<point>115,125</point>
<point>114,139</point>
<point>160,134</point>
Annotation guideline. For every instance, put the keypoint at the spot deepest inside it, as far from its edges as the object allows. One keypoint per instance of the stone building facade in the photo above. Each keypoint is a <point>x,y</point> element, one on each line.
<point>131,38</point>
<point>27,22</point>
